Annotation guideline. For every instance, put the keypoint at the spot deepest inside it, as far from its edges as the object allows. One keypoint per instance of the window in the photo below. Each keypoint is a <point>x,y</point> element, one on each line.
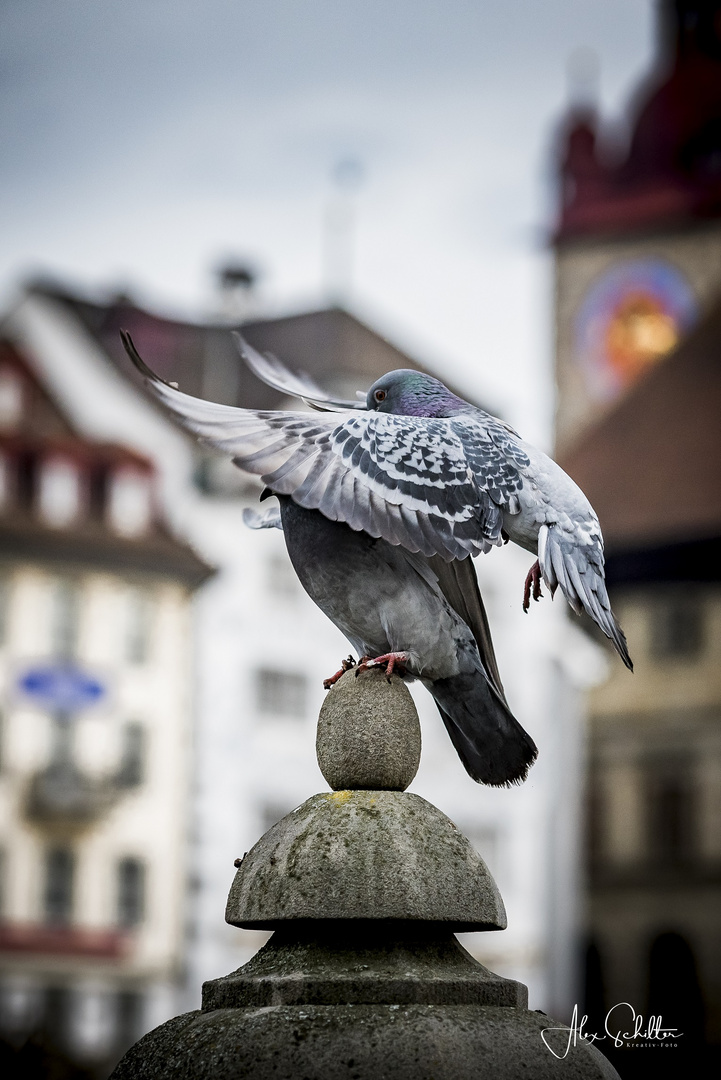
<point>64,619</point>
<point>62,739</point>
<point>21,1007</point>
<point>98,480</point>
<point>131,892</point>
<point>59,491</point>
<point>674,989</point>
<point>57,1022</point>
<point>130,502</point>
<point>26,480</point>
<point>11,398</point>
<point>594,991</point>
<point>4,607</point>
<point>138,626</point>
<point>6,486</point>
<point>131,772</point>
<point>59,885</point>
<point>669,802</point>
<point>128,1019</point>
<point>677,629</point>
<point>281,693</point>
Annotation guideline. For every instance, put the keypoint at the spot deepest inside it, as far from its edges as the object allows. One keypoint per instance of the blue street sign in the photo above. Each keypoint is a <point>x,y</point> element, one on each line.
<point>61,688</point>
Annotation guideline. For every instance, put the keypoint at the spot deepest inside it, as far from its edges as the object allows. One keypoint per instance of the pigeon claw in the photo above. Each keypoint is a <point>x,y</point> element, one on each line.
<point>393,661</point>
<point>533,579</point>
<point>346,665</point>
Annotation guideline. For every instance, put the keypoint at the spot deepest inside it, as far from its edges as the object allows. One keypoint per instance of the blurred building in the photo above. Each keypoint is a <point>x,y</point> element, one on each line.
<point>95,656</point>
<point>638,363</point>
<point>261,648</point>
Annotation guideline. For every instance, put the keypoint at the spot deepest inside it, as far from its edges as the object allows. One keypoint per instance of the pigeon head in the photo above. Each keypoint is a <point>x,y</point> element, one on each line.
<point>413,393</point>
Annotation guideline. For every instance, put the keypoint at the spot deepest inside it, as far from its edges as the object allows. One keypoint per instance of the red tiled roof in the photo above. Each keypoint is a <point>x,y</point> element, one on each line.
<point>334,347</point>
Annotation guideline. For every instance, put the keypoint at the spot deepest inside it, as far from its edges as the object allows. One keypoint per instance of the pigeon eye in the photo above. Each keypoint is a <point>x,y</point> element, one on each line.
<point>380,395</point>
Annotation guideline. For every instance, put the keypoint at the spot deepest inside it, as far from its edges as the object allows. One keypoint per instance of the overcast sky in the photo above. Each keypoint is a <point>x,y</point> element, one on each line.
<point>143,141</point>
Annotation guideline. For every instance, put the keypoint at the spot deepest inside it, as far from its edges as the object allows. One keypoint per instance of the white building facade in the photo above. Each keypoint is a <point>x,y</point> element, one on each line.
<point>95,742</point>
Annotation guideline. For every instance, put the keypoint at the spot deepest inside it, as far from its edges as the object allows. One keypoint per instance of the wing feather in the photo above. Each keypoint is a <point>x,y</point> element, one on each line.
<point>308,493</point>
<point>270,370</point>
<point>577,565</point>
<point>397,526</point>
<point>434,485</point>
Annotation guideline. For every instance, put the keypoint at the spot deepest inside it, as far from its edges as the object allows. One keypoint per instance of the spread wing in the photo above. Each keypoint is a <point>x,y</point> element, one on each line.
<point>271,371</point>
<point>438,486</point>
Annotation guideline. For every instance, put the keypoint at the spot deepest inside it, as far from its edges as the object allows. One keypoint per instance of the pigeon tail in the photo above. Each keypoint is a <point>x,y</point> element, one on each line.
<point>490,742</point>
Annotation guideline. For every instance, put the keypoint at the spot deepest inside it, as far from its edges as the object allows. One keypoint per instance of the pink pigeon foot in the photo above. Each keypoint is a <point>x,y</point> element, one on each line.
<point>534,579</point>
<point>346,665</point>
<point>394,661</point>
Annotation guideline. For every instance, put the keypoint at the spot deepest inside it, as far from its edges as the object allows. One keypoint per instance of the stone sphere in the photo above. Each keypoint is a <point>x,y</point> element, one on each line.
<point>369,736</point>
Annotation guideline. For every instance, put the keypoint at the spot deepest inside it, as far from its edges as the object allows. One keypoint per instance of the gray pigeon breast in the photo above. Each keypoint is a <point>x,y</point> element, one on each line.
<point>374,594</point>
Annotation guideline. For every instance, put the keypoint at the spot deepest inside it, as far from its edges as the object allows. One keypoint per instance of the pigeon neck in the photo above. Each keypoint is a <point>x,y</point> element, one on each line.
<point>435,406</point>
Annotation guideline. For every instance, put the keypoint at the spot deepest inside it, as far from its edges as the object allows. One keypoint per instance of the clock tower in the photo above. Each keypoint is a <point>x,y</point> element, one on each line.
<point>638,241</point>
<point>638,368</point>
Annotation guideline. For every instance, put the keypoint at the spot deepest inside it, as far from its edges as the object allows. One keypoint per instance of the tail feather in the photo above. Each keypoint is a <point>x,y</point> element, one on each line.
<point>490,742</point>
<point>579,570</point>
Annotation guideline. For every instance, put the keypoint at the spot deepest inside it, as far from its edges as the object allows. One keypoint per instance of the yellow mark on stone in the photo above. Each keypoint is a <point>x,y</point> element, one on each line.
<point>340,796</point>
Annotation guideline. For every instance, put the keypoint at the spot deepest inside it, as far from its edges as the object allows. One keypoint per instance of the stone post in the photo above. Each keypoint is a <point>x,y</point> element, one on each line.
<point>364,887</point>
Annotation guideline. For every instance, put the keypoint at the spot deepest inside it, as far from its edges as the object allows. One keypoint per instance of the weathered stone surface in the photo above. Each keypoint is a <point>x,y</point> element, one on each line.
<point>360,1042</point>
<point>368,733</point>
<point>373,855</point>
<point>362,965</point>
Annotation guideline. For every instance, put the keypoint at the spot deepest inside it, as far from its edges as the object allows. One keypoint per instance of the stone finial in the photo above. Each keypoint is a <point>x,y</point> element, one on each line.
<point>369,850</point>
<point>363,977</point>
<point>365,855</point>
<point>369,736</point>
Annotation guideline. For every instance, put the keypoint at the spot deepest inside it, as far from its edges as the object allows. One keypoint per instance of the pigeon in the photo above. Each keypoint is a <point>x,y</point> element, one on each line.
<point>381,507</point>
